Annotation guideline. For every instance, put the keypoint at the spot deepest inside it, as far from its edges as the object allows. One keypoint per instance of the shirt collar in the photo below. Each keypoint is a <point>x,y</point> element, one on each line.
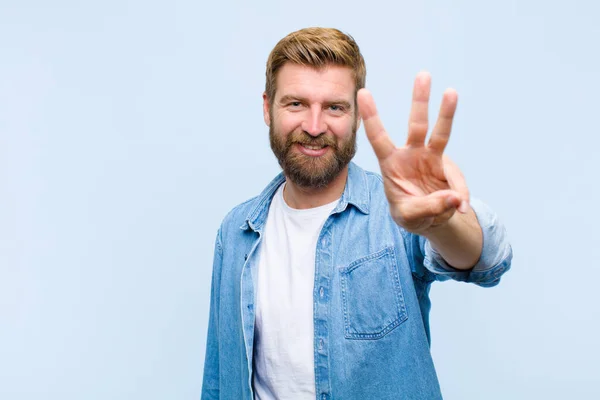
<point>355,193</point>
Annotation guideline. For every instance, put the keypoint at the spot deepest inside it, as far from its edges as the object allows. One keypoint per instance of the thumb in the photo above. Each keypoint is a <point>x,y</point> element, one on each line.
<point>414,208</point>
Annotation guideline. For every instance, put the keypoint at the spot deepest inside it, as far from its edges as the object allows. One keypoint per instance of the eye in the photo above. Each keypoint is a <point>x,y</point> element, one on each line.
<point>295,104</point>
<point>336,108</point>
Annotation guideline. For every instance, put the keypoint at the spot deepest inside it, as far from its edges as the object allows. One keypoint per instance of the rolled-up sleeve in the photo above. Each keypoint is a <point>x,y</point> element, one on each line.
<point>495,258</point>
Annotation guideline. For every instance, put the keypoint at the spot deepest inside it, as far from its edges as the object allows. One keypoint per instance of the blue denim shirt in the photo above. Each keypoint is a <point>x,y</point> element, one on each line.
<point>371,297</point>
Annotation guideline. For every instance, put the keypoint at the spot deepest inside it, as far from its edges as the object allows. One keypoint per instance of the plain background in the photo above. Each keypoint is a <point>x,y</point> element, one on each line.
<point>128,129</point>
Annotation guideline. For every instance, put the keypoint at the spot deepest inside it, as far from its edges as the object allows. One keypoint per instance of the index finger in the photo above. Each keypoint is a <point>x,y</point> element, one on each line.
<point>378,137</point>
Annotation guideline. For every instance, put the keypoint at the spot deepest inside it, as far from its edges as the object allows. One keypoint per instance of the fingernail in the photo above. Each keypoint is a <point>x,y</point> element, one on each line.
<point>451,201</point>
<point>464,207</point>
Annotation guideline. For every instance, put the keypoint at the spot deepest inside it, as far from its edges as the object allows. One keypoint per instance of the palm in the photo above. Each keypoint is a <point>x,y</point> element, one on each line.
<point>413,172</point>
<point>422,186</point>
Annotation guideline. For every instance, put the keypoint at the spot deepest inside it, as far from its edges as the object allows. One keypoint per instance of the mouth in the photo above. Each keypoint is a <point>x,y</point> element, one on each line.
<point>311,150</point>
<point>312,147</point>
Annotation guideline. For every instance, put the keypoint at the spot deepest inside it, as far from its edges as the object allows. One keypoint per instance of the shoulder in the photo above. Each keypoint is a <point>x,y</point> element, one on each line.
<point>238,215</point>
<point>252,209</point>
<point>374,186</point>
<point>374,180</point>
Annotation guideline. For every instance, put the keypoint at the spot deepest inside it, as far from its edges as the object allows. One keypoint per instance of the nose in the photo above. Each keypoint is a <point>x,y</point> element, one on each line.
<point>314,123</point>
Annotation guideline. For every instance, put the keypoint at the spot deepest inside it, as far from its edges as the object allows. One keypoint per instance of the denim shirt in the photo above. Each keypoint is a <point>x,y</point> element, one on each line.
<point>370,300</point>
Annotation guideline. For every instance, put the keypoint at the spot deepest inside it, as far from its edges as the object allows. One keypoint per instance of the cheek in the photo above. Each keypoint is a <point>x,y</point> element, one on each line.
<point>341,128</point>
<point>287,123</point>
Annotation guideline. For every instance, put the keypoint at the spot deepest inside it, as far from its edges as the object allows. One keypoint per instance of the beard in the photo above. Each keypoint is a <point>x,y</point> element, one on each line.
<point>312,172</point>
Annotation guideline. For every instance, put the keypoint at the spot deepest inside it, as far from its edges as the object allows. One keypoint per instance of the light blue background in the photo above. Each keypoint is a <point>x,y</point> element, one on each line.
<point>129,128</point>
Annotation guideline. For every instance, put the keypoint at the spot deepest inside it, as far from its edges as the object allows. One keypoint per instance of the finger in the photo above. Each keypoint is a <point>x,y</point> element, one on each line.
<point>441,132</point>
<point>415,208</point>
<point>418,122</point>
<point>378,137</point>
<point>457,183</point>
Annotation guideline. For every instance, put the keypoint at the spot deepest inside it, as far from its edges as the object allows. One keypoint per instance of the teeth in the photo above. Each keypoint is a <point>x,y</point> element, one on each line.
<point>314,147</point>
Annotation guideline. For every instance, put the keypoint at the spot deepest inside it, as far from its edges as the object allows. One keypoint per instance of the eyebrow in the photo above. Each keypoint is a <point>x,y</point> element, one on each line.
<point>289,98</point>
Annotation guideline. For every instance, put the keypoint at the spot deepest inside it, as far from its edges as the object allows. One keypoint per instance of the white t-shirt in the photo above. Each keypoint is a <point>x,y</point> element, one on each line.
<point>283,346</point>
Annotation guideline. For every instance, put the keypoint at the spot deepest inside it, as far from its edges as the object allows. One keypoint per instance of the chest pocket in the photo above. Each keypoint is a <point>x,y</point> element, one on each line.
<point>372,298</point>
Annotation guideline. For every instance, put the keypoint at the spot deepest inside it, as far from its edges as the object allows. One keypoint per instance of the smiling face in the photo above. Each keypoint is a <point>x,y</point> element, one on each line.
<point>312,122</point>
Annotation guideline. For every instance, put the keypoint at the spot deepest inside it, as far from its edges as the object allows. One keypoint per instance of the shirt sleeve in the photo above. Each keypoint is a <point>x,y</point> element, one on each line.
<point>495,259</point>
<point>211,379</point>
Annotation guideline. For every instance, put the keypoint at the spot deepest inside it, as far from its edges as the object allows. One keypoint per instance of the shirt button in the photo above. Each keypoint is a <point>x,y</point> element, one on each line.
<point>324,396</point>
<point>320,344</point>
<point>322,292</point>
<point>324,242</point>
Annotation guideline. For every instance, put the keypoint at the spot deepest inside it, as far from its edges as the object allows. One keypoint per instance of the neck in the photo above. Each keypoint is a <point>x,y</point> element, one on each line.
<point>303,198</point>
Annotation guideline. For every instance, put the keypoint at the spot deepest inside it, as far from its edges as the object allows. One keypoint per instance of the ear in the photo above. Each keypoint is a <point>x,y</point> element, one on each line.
<point>266,107</point>
<point>358,120</point>
<point>357,111</point>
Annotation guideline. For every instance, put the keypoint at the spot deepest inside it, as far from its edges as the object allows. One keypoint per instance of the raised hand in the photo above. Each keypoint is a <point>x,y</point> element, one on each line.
<point>423,186</point>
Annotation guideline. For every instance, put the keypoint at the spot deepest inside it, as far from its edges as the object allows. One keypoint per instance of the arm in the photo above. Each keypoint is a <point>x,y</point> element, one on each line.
<point>427,193</point>
<point>210,382</point>
<point>459,241</point>
<point>429,198</point>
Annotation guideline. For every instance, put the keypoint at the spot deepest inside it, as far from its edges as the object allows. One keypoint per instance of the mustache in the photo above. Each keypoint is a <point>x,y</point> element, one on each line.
<point>304,138</point>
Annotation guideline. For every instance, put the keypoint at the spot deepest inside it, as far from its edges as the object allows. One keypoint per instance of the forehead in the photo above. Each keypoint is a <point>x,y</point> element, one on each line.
<point>315,84</point>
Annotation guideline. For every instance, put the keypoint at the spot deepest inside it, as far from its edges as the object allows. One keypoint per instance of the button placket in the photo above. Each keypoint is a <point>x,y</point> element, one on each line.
<point>323,272</point>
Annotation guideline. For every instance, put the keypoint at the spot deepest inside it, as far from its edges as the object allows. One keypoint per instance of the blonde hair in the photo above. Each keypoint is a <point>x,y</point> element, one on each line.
<point>315,47</point>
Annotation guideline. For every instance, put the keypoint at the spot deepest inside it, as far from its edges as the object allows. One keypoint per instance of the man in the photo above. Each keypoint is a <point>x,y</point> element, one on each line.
<point>320,284</point>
